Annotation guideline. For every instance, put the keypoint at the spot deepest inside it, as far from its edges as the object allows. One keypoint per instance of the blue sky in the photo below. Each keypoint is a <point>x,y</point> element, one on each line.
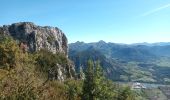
<point>120,21</point>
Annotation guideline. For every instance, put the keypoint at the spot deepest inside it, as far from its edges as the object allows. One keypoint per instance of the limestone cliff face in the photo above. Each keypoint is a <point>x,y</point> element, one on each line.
<point>37,38</point>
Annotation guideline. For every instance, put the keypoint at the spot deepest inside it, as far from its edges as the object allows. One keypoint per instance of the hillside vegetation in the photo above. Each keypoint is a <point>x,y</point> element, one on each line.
<point>25,76</point>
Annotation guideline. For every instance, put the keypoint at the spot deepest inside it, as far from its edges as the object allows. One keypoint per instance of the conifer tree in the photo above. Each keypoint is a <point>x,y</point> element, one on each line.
<point>104,89</point>
<point>88,86</point>
<point>98,80</point>
<point>96,86</point>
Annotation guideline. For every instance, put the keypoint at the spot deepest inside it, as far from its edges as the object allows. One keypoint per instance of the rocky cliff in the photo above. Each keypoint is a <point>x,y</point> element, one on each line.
<point>37,38</point>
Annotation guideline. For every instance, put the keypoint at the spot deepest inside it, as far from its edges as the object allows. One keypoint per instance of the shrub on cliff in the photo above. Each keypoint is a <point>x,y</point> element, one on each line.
<point>9,52</point>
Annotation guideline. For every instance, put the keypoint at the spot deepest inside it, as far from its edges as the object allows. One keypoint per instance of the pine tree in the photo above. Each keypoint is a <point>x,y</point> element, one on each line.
<point>88,86</point>
<point>96,86</point>
<point>98,80</point>
<point>104,89</point>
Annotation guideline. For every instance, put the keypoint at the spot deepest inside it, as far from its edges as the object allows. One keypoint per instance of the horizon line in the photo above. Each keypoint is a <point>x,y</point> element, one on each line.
<point>119,42</point>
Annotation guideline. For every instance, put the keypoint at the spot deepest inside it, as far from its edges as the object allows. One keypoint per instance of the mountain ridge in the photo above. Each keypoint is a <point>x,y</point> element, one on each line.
<point>123,62</point>
<point>134,44</point>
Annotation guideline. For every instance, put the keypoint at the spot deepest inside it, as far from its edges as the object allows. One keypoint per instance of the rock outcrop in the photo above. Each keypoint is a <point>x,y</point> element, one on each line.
<point>37,38</point>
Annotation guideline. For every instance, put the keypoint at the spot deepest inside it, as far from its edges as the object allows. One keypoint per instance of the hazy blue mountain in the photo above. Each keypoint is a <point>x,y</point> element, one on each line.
<point>153,44</point>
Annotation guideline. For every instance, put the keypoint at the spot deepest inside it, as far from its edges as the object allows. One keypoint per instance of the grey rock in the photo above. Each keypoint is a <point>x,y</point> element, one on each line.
<point>62,72</point>
<point>37,38</point>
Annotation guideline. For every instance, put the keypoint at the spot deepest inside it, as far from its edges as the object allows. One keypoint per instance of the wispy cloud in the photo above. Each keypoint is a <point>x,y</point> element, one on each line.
<point>156,10</point>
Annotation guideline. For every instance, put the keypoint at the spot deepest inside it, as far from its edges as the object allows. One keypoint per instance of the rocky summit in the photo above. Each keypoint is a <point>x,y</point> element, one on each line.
<point>35,38</point>
<point>38,37</point>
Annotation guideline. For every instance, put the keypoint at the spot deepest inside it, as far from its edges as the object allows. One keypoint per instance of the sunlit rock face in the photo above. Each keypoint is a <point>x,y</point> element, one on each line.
<point>37,38</point>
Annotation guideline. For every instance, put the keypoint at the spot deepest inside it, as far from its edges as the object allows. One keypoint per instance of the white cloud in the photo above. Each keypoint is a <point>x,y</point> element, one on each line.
<point>156,10</point>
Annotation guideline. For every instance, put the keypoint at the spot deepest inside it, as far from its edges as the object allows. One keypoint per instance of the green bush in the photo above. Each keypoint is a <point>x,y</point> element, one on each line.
<point>9,52</point>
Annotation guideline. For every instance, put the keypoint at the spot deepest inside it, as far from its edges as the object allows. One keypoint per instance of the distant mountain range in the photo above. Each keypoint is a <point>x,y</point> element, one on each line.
<point>153,44</point>
<point>145,62</point>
